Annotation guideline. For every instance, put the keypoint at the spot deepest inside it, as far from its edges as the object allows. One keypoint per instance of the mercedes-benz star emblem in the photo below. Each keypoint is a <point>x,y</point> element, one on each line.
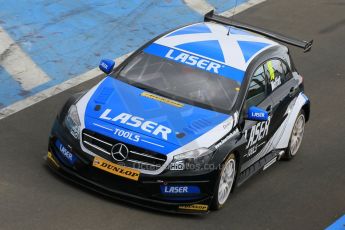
<point>119,152</point>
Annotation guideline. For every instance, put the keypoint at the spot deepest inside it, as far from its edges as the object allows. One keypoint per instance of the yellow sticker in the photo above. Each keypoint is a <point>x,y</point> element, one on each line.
<point>271,70</point>
<point>201,207</point>
<point>51,158</point>
<point>115,169</point>
<point>162,99</point>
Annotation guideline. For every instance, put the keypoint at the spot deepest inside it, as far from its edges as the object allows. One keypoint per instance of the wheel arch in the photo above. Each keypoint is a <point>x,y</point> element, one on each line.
<point>237,154</point>
<point>306,109</point>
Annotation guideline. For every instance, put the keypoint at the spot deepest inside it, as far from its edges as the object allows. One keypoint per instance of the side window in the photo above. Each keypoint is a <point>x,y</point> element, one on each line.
<point>257,91</point>
<point>275,73</point>
<point>287,72</point>
<point>285,68</point>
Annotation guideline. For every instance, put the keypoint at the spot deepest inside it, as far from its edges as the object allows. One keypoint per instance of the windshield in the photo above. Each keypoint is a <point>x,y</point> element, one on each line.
<point>180,82</point>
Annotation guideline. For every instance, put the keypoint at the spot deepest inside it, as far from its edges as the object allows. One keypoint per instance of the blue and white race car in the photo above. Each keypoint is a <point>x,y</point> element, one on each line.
<point>186,118</point>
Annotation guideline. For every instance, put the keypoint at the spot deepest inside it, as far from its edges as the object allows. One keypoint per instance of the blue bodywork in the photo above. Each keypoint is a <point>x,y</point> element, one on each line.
<point>106,65</point>
<point>186,123</point>
<point>257,114</point>
<point>118,110</point>
<point>226,71</point>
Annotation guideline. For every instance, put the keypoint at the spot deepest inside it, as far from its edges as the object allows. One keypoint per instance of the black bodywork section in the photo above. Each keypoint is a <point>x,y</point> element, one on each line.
<point>146,191</point>
<point>276,103</point>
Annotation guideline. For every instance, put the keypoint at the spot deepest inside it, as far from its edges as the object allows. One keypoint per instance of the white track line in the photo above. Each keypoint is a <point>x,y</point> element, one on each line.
<point>19,65</point>
<point>241,8</point>
<point>200,6</point>
<point>17,106</point>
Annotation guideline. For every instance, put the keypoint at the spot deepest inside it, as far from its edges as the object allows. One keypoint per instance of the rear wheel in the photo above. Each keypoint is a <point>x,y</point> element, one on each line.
<point>225,182</point>
<point>296,136</point>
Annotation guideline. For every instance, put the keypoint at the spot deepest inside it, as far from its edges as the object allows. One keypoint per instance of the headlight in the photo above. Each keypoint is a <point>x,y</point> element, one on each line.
<point>72,121</point>
<point>191,160</point>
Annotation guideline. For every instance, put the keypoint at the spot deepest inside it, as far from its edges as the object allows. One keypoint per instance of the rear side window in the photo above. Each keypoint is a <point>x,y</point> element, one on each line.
<point>276,72</point>
<point>287,72</point>
<point>257,91</point>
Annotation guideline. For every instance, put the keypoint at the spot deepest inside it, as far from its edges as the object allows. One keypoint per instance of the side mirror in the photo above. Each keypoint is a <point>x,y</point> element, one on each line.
<point>257,114</point>
<point>106,65</point>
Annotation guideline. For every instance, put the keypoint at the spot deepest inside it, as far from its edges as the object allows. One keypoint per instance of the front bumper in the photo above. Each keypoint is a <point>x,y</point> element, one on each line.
<point>147,191</point>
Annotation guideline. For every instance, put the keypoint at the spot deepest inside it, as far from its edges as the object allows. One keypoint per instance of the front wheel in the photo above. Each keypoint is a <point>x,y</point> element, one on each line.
<point>225,182</point>
<point>296,136</point>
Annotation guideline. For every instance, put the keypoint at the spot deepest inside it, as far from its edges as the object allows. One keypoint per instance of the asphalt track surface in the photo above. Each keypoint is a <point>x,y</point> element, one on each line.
<point>305,193</point>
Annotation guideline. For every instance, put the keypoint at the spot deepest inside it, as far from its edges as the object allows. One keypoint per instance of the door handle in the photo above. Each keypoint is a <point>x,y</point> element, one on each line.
<point>292,91</point>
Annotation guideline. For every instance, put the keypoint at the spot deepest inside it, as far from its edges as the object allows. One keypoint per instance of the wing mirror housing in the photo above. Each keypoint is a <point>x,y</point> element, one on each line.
<point>256,114</point>
<point>107,65</point>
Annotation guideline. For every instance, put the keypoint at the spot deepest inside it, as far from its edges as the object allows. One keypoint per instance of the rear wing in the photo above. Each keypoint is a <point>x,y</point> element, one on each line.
<point>305,45</point>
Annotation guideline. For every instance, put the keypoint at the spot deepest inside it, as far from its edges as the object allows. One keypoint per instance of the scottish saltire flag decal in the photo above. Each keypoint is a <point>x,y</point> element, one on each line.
<point>207,46</point>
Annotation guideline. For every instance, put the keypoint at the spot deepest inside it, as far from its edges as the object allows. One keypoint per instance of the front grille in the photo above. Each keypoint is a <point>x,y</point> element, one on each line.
<point>137,157</point>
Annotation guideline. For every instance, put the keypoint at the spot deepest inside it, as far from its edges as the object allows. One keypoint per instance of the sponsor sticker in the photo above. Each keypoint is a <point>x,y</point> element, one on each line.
<point>200,207</point>
<point>127,134</point>
<point>275,83</point>
<point>135,121</point>
<point>228,137</point>
<point>115,169</point>
<point>177,166</point>
<point>195,61</point>
<point>255,135</point>
<point>65,153</point>
<point>192,60</point>
<point>257,132</point>
<point>179,189</point>
<point>162,99</point>
<point>51,158</point>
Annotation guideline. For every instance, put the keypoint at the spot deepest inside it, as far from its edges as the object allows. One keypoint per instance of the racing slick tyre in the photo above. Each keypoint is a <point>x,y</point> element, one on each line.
<point>225,182</point>
<point>296,136</point>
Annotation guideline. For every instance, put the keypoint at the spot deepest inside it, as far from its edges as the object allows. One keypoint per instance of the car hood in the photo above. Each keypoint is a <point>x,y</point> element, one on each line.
<point>134,116</point>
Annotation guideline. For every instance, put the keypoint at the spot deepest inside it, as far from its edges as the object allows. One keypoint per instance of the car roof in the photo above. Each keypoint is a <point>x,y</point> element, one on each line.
<point>226,45</point>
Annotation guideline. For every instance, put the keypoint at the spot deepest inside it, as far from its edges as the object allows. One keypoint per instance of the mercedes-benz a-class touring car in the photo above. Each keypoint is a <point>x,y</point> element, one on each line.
<point>186,118</point>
